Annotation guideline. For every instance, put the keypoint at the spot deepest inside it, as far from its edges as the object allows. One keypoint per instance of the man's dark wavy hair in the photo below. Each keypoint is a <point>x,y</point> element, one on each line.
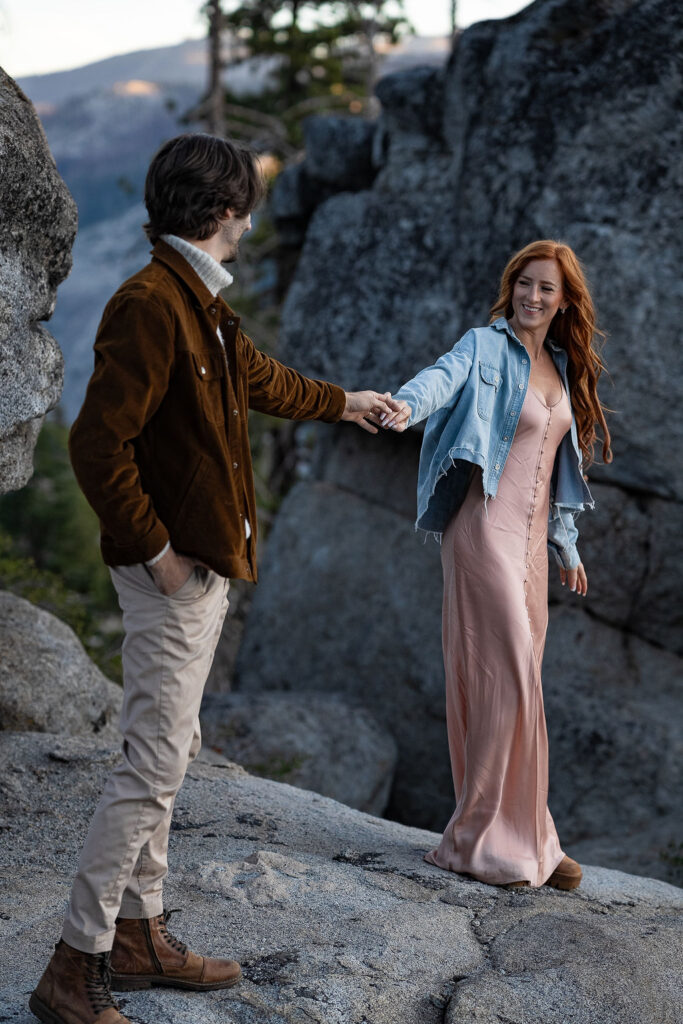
<point>191,182</point>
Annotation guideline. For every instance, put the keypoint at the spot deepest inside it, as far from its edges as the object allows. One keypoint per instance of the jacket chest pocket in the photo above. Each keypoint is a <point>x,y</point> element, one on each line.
<point>487,388</point>
<point>209,370</point>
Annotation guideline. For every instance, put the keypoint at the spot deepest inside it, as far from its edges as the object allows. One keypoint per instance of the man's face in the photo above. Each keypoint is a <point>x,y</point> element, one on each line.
<point>231,230</point>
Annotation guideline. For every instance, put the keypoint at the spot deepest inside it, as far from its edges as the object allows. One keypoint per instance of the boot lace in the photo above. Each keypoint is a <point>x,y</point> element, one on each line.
<point>98,983</point>
<point>173,942</point>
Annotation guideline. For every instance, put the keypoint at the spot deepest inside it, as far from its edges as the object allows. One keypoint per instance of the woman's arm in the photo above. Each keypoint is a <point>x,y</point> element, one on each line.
<point>562,538</point>
<point>435,386</point>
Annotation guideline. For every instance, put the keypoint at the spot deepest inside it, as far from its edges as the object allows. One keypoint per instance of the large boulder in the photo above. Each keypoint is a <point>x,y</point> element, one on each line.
<point>391,277</point>
<point>37,230</point>
<point>633,546</point>
<point>47,681</point>
<point>371,648</point>
<point>334,914</point>
<point>313,741</point>
<point>538,127</point>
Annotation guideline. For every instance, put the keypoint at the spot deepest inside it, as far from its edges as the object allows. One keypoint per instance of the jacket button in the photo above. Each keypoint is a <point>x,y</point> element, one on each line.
<point>523,362</point>
<point>231,323</point>
<point>497,465</point>
<point>234,465</point>
<point>521,387</point>
<point>235,413</point>
<point>203,369</point>
<point>506,438</point>
<point>212,309</point>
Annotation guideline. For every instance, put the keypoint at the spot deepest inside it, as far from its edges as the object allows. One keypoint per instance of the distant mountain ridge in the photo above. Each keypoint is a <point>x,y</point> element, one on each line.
<point>185,64</point>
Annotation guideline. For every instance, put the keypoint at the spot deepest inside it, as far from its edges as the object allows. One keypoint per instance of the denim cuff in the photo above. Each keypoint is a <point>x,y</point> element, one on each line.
<point>566,558</point>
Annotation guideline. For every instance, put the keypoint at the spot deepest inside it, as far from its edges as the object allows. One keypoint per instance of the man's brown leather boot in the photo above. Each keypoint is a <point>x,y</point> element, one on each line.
<point>146,955</point>
<point>76,989</point>
<point>567,875</point>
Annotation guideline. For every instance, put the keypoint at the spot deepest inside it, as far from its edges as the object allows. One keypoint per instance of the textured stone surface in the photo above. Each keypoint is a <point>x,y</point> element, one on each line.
<point>412,103</point>
<point>334,914</point>
<point>37,230</point>
<point>548,131</point>
<point>560,121</point>
<point>339,151</point>
<point>312,741</point>
<point>371,631</point>
<point>616,752</point>
<point>47,681</point>
<point>632,544</point>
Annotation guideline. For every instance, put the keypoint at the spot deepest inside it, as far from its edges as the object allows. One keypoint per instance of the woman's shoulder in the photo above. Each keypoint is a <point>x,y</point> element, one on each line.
<point>489,338</point>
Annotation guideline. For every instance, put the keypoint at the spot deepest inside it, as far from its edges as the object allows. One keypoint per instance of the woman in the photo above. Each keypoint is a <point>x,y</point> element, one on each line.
<point>512,418</point>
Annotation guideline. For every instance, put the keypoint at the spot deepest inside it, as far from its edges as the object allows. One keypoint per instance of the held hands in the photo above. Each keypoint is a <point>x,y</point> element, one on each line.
<point>171,572</point>
<point>578,581</point>
<point>400,418</point>
<point>368,407</point>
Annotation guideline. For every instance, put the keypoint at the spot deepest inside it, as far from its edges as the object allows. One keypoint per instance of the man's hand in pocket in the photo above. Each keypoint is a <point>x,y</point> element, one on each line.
<point>172,571</point>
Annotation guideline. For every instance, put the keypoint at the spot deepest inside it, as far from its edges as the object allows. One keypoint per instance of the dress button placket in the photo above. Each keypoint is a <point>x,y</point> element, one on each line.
<point>531,516</point>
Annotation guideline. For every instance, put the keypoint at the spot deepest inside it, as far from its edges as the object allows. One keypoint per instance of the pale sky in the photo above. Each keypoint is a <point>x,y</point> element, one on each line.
<point>37,36</point>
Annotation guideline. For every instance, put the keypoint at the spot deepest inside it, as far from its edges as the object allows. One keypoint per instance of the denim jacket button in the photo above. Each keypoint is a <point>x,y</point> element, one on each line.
<point>497,465</point>
<point>521,387</point>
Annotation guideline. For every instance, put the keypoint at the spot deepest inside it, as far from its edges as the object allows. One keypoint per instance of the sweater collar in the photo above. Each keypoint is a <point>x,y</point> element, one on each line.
<point>210,271</point>
<point>170,257</point>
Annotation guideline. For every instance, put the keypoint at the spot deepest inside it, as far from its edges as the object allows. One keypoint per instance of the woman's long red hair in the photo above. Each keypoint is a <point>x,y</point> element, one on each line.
<point>575,331</point>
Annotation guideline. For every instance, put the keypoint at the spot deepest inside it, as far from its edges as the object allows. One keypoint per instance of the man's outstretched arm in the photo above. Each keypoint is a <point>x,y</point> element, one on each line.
<point>279,390</point>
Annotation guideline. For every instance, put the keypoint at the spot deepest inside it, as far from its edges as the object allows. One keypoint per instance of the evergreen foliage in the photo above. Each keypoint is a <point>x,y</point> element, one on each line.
<point>324,57</point>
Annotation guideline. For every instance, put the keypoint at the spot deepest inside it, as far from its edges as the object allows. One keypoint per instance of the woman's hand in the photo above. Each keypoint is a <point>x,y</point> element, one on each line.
<point>366,408</point>
<point>399,417</point>
<point>577,578</point>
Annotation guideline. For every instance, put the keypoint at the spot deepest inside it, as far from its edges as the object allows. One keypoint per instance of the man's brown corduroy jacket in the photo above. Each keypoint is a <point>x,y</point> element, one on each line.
<point>160,447</point>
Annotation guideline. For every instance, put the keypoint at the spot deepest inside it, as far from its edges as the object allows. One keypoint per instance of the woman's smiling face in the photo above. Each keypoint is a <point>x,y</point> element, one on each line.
<point>537,295</point>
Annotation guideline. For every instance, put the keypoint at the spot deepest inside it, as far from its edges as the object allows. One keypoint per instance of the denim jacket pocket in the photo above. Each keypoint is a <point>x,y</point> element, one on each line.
<point>487,386</point>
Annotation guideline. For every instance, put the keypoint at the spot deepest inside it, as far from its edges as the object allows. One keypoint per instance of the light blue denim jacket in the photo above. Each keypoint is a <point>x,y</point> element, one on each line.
<point>473,397</point>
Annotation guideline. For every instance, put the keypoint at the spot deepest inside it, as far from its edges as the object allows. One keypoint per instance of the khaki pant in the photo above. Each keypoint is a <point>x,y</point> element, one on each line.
<point>167,653</point>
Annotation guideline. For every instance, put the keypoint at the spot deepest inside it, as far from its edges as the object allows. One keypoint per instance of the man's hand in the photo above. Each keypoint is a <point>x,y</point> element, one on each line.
<point>366,407</point>
<point>400,417</point>
<point>578,581</point>
<point>171,572</point>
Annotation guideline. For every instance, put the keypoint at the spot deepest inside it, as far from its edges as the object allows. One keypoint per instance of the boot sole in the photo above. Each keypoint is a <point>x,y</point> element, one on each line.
<point>136,983</point>
<point>563,883</point>
<point>42,1012</point>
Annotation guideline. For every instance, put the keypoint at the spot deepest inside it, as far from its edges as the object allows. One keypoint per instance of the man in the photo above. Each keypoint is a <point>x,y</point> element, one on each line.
<point>161,451</point>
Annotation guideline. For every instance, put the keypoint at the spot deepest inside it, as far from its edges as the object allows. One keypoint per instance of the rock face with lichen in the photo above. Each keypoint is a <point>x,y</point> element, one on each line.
<point>558,122</point>
<point>37,231</point>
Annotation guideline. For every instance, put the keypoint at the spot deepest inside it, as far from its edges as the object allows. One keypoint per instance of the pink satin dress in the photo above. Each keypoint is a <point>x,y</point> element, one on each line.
<point>495,616</point>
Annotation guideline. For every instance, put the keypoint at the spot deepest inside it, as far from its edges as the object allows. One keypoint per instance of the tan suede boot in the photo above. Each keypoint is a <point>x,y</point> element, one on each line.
<point>567,875</point>
<point>75,989</point>
<point>146,955</point>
